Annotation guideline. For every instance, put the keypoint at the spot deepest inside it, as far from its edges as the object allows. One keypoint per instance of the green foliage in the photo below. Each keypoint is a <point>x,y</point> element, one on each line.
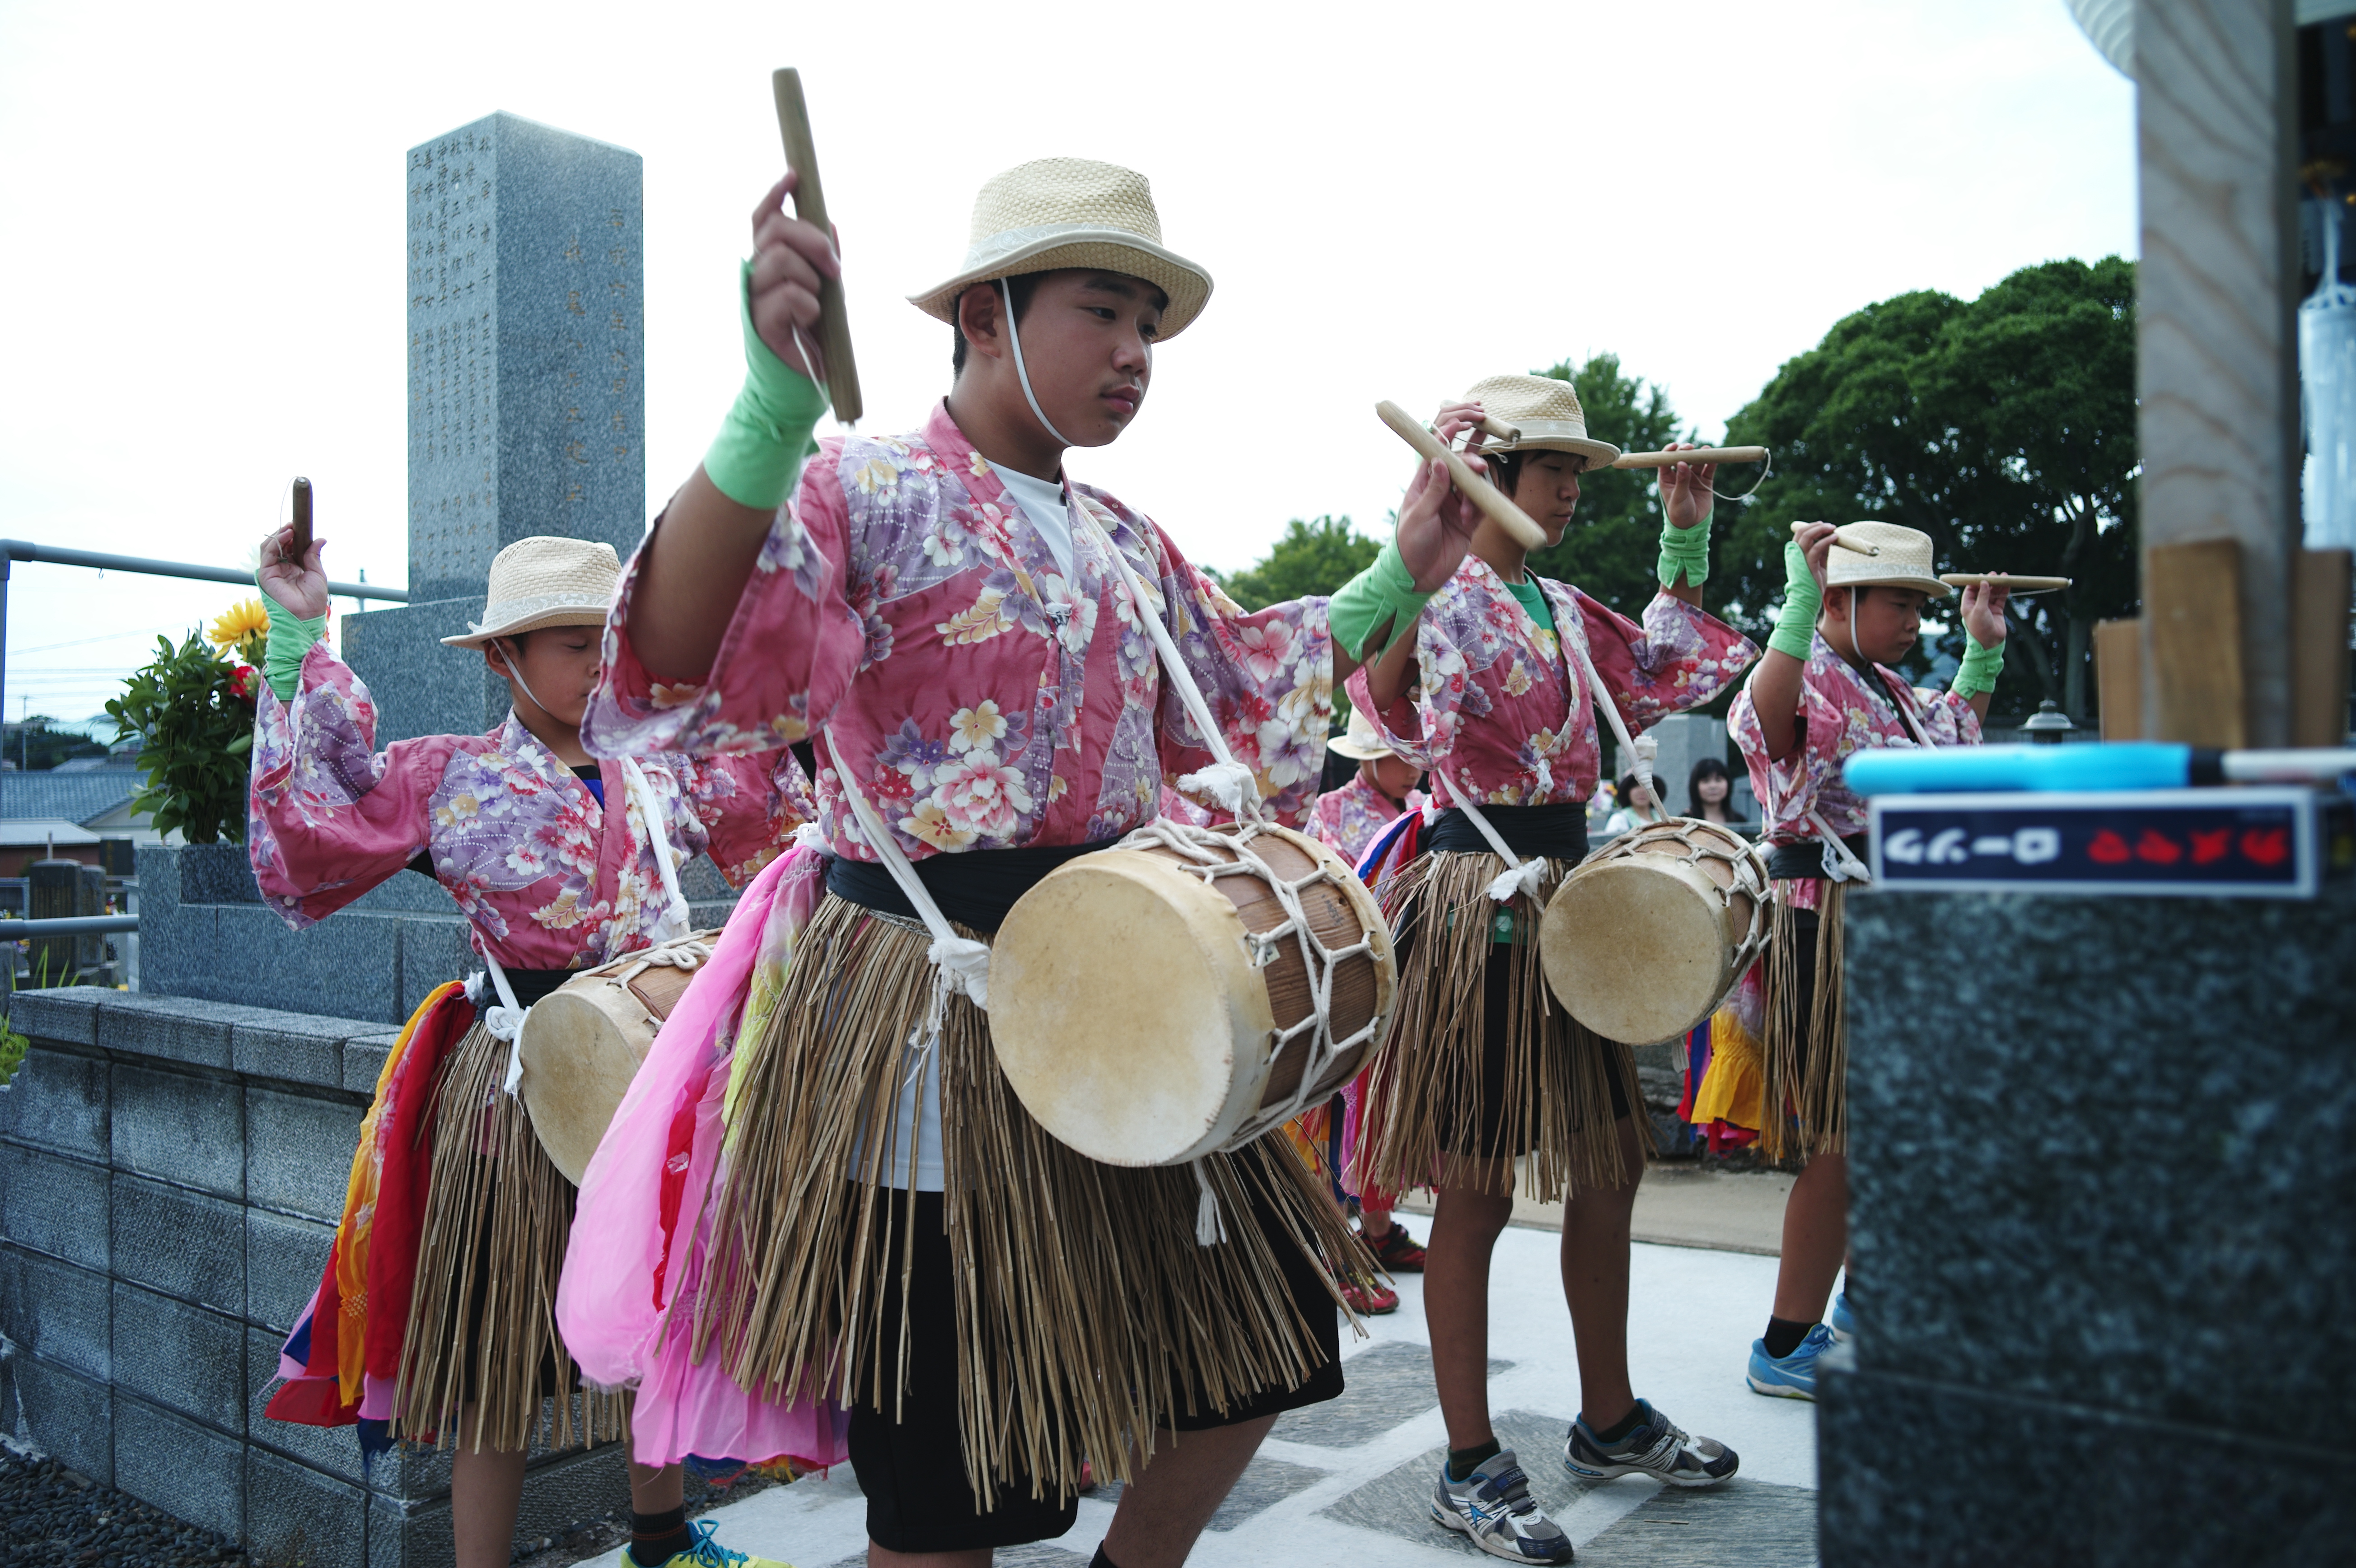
<point>1614,543</point>
<point>194,713</point>
<point>1311,558</point>
<point>13,1047</point>
<point>36,744</point>
<point>2004,428</point>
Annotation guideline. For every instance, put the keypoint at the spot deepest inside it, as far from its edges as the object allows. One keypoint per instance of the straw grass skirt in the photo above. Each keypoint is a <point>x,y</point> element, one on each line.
<point>482,1318</point>
<point>1806,1110</point>
<point>1428,1095</point>
<point>1087,1313</point>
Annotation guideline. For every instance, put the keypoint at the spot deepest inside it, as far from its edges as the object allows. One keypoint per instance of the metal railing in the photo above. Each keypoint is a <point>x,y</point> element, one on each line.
<point>13,551</point>
<point>69,925</point>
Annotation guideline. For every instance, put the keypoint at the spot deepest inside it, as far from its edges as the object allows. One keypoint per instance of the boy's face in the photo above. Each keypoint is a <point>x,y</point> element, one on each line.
<point>560,664</point>
<point>1087,341</point>
<point>1548,489</point>
<point>1889,621</point>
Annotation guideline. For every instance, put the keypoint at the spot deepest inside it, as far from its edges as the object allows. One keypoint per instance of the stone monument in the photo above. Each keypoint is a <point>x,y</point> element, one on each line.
<point>527,400</point>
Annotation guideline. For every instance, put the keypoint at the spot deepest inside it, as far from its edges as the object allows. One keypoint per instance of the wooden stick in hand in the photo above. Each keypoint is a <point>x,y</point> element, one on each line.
<point>810,206</point>
<point>1498,506</point>
<point>299,546</point>
<point>1692,455</point>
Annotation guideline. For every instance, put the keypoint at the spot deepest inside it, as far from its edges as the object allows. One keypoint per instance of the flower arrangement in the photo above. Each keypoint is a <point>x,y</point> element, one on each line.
<point>192,708</point>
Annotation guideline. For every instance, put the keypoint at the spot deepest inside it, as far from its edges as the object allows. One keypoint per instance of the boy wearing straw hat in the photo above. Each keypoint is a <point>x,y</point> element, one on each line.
<point>430,1320</point>
<point>1853,603</point>
<point>1488,1082</point>
<point>993,689</point>
<point>1348,820</point>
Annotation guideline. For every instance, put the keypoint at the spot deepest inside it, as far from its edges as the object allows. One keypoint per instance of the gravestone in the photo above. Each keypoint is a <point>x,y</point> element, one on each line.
<point>527,400</point>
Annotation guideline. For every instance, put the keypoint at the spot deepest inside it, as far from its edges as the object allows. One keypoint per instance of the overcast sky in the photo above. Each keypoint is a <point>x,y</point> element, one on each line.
<point>204,265</point>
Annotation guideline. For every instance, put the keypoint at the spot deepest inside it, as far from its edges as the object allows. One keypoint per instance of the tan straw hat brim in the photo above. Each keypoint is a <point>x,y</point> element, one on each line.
<point>1357,751</point>
<point>1882,555</point>
<point>1055,246</point>
<point>1536,436</point>
<point>512,622</point>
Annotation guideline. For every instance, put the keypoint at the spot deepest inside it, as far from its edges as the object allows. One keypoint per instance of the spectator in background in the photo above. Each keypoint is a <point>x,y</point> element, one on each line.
<point>1636,805</point>
<point>1710,789</point>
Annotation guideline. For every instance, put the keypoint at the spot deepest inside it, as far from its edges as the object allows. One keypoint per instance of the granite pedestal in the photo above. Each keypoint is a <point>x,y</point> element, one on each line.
<point>527,397</point>
<point>2101,1151</point>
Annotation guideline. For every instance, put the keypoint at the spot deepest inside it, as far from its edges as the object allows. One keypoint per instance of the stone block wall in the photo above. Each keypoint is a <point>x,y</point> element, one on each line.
<point>2100,1151</point>
<point>204,932</point>
<point>171,1170</point>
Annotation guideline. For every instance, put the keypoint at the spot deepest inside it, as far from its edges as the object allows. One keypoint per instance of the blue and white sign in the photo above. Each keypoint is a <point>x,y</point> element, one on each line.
<point>2257,842</point>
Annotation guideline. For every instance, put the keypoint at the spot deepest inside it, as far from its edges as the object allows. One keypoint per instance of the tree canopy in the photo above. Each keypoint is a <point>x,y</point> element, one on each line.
<point>2003,427</point>
<point>1614,542</point>
<point>1312,557</point>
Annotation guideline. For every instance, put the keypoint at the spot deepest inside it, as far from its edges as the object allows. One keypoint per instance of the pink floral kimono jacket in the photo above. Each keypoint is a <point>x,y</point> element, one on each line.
<point>904,614</point>
<point>1839,715</point>
<point>1346,820</point>
<point>546,877</point>
<point>1501,713</point>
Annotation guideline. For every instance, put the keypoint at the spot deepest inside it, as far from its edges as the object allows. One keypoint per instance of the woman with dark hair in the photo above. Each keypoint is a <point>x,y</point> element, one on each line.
<point>1635,808</point>
<point>1708,789</point>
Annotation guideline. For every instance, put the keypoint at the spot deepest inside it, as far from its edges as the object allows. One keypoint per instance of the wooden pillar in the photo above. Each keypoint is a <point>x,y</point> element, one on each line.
<point>2217,359</point>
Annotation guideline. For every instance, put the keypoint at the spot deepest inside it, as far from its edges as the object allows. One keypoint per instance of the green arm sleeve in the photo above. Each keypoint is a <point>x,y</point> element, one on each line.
<point>1685,553</point>
<point>1795,629</point>
<point>761,444</point>
<point>1979,669</point>
<point>1385,591</point>
<point>291,637</point>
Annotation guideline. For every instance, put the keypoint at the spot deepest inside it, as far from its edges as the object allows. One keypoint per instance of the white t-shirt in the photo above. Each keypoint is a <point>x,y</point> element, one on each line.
<point>1043,502</point>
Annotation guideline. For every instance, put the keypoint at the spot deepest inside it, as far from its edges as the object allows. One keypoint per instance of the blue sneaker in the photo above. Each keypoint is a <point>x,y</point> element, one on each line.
<point>1793,1376</point>
<point>1844,1327</point>
<point>1494,1507</point>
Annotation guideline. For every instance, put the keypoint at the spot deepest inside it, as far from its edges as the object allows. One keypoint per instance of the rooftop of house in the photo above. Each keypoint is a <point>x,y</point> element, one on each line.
<point>77,795</point>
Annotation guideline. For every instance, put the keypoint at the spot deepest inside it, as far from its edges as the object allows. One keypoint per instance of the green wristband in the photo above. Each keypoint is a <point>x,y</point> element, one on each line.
<point>1979,669</point>
<point>1795,629</point>
<point>1685,553</point>
<point>291,637</point>
<point>1384,592</point>
<point>759,450</point>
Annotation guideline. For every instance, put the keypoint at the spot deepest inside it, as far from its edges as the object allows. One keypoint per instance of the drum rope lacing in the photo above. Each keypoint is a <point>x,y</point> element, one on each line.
<point>1200,846</point>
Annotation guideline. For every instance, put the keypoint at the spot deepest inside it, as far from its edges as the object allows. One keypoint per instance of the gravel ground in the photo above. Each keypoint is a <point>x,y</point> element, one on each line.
<point>51,1516</point>
<point>55,1518</point>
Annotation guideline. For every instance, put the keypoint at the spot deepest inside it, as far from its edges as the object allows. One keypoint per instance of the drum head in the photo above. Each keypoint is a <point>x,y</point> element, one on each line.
<point>577,1065</point>
<point>1636,948</point>
<point>1119,988</point>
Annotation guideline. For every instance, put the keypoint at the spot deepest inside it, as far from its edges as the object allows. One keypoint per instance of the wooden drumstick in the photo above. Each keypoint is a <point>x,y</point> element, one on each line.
<point>810,206</point>
<point>1498,506</point>
<point>300,546</point>
<point>1498,430</point>
<point>1696,455</point>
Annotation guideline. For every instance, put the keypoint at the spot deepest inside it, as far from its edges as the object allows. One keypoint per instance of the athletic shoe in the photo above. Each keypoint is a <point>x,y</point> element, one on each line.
<point>1658,1447</point>
<point>1397,1251</point>
<point>1493,1506</point>
<point>1369,1298</point>
<point>1793,1376</point>
<point>706,1552</point>
<point>1844,1327</point>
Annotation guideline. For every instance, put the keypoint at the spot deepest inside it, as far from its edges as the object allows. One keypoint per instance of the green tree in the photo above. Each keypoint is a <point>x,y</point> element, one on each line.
<point>2004,428</point>
<point>1311,558</point>
<point>1614,543</point>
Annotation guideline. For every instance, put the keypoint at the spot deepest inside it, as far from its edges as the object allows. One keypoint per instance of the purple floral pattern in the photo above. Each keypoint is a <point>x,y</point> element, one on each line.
<point>547,877</point>
<point>1499,710</point>
<point>1839,715</point>
<point>1346,820</point>
<point>907,615</point>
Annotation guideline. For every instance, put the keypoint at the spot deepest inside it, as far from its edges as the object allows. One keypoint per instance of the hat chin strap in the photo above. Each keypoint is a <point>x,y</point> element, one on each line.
<point>515,670</point>
<point>1014,337</point>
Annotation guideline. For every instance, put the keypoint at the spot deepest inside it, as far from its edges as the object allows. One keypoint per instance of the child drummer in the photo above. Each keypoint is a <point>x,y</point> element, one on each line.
<point>1853,602</point>
<point>1484,1068</point>
<point>953,621</point>
<point>1347,821</point>
<point>560,863</point>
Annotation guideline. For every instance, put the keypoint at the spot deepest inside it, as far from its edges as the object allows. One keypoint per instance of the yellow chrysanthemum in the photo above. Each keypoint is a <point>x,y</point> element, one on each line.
<point>242,629</point>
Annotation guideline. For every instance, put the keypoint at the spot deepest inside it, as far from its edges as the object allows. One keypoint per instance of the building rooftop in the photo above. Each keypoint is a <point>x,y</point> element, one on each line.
<point>76,797</point>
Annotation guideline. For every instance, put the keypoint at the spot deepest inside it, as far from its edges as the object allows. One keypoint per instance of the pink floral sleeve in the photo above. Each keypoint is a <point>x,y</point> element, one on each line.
<point>329,817</point>
<point>749,804</point>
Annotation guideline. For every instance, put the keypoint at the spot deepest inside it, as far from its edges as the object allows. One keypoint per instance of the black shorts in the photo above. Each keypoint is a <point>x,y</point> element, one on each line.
<point>913,1469</point>
<point>1483,1137</point>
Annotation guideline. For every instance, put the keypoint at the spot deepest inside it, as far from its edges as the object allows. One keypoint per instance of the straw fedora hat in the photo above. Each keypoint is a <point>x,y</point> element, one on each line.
<point>545,581</point>
<point>1545,411</point>
<point>1882,555</point>
<point>1361,742</point>
<point>1071,212</point>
